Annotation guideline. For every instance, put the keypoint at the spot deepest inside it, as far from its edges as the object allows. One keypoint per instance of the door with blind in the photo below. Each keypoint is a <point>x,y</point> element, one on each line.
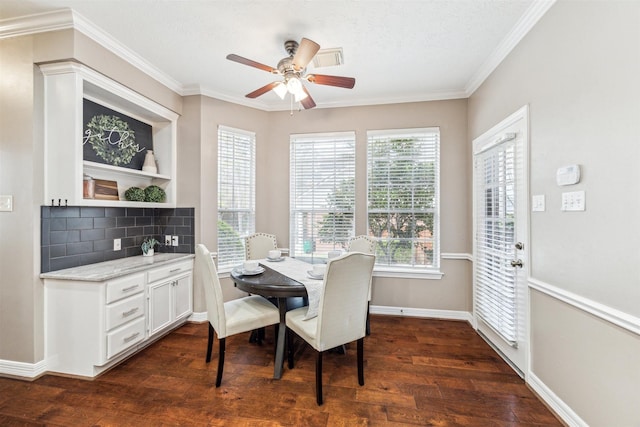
<point>501,238</point>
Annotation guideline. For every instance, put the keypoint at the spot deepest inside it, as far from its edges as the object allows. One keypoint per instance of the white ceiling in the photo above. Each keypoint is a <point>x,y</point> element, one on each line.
<point>398,50</point>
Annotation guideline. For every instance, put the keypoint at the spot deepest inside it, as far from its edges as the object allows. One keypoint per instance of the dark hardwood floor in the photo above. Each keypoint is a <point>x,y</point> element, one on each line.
<point>417,372</point>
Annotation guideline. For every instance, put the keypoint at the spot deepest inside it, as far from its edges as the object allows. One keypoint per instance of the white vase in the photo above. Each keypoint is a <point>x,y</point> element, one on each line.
<point>150,163</point>
<point>149,252</point>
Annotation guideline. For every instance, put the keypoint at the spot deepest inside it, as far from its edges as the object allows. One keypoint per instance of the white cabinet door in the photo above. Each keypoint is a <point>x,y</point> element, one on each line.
<point>160,306</point>
<point>169,300</point>
<point>183,297</point>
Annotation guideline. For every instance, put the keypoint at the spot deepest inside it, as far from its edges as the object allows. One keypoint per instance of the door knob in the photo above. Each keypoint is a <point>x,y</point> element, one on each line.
<point>516,263</point>
<point>519,246</point>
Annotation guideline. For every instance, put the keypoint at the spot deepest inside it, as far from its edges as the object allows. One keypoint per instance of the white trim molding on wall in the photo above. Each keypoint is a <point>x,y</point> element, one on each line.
<point>421,312</point>
<point>604,312</point>
<point>22,370</point>
<point>456,255</point>
<point>558,406</point>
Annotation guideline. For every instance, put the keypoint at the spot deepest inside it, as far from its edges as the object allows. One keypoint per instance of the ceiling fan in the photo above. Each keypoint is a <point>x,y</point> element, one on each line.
<point>292,69</point>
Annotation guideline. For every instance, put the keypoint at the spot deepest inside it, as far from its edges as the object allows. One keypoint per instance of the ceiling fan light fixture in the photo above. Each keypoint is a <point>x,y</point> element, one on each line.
<point>281,90</point>
<point>294,86</point>
<point>299,96</point>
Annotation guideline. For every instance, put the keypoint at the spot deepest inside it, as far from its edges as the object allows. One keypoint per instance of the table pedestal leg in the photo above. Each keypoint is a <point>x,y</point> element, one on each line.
<point>282,329</point>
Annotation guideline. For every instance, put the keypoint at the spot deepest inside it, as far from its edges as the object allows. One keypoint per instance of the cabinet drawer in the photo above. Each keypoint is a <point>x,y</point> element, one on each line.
<point>124,287</point>
<point>123,311</point>
<point>170,270</point>
<point>125,337</point>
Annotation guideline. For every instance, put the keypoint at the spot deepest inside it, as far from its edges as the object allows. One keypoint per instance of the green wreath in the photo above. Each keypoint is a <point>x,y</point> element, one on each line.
<point>112,139</point>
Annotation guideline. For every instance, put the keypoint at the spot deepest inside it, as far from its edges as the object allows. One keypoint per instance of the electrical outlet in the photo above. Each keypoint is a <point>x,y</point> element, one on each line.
<point>174,240</point>
<point>117,244</point>
<point>167,240</point>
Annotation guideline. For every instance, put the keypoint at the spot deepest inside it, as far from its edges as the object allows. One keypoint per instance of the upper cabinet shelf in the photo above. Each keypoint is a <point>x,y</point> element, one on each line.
<point>68,89</point>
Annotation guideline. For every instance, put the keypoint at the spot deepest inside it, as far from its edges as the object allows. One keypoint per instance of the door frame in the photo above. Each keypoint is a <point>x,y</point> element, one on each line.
<point>488,139</point>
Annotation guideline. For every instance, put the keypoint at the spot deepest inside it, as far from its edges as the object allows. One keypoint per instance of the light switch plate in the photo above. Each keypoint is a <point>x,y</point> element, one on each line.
<point>6,203</point>
<point>537,203</point>
<point>573,201</point>
<point>174,240</point>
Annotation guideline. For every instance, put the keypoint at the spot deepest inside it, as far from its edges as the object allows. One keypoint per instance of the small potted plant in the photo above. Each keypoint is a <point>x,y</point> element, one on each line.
<point>148,245</point>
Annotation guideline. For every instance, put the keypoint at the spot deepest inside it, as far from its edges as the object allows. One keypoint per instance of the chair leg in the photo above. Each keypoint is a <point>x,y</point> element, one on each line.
<point>319,378</point>
<point>209,343</point>
<point>290,348</point>
<point>220,361</point>
<point>368,327</point>
<point>256,336</point>
<point>361,361</point>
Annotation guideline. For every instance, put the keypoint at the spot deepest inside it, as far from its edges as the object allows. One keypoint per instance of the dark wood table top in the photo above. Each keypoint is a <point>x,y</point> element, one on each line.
<point>269,284</point>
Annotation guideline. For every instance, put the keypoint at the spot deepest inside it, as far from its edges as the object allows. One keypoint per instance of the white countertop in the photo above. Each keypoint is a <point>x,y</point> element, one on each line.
<point>102,271</point>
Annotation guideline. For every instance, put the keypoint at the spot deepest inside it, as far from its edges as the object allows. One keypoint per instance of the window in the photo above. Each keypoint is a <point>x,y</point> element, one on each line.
<point>322,193</point>
<point>403,197</point>
<point>236,193</point>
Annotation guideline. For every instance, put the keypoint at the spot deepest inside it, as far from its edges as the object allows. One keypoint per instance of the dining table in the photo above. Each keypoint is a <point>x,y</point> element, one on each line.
<point>281,279</point>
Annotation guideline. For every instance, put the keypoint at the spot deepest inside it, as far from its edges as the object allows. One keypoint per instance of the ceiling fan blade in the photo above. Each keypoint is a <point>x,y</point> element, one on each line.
<point>261,91</point>
<point>323,79</point>
<point>305,53</point>
<point>308,102</point>
<point>245,61</point>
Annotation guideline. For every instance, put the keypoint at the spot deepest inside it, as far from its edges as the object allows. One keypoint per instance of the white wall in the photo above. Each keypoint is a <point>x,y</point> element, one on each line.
<point>578,71</point>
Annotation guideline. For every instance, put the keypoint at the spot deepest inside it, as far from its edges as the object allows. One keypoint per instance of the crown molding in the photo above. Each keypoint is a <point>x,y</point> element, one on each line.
<point>92,31</point>
<point>67,18</point>
<point>532,15</point>
<point>39,23</point>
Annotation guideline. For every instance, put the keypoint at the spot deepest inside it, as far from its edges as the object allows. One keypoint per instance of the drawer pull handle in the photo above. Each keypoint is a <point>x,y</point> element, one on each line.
<point>130,312</point>
<point>130,288</point>
<point>131,337</point>
<point>174,270</point>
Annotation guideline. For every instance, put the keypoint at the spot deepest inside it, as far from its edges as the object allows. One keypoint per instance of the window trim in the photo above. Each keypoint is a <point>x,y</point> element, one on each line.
<point>326,136</point>
<point>407,271</point>
<point>225,269</point>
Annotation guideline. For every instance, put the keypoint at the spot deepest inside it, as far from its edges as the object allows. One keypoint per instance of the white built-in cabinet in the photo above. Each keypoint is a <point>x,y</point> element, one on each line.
<point>66,84</point>
<point>92,325</point>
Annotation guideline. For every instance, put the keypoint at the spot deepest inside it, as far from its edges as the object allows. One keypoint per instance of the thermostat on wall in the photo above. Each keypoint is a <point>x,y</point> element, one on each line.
<point>568,175</point>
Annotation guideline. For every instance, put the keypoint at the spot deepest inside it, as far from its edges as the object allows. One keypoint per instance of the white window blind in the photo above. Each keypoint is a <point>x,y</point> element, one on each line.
<point>236,193</point>
<point>403,196</point>
<point>495,289</point>
<point>322,193</point>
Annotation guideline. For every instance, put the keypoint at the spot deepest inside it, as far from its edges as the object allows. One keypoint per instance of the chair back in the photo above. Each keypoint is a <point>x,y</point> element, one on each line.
<point>258,245</point>
<point>362,243</point>
<point>205,269</point>
<point>343,305</point>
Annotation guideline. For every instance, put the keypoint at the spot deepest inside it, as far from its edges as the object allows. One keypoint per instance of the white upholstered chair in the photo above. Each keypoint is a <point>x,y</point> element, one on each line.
<point>342,311</point>
<point>367,245</point>
<point>258,245</point>
<point>364,244</point>
<point>231,317</point>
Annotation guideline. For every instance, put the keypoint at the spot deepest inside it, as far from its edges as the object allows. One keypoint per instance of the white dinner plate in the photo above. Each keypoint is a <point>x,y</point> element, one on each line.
<point>275,259</point>
<point>312,275</point>
<point>242,271</point>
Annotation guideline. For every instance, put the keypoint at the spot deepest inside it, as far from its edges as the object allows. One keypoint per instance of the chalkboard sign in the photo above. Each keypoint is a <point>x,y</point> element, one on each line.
<point>113,138</point>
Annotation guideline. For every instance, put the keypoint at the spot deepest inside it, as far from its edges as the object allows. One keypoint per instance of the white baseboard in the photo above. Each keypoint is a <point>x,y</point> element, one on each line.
<point>559,407</point>
<point>200,317</point>
<point>22,370</point>
<point>421,312</point>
